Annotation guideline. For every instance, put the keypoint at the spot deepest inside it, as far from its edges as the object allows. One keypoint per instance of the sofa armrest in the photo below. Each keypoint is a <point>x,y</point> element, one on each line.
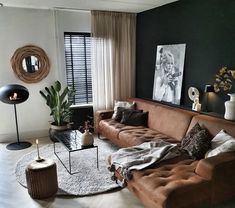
<point>101,115</point>
<point>212,167</point>
<point>220,171</point>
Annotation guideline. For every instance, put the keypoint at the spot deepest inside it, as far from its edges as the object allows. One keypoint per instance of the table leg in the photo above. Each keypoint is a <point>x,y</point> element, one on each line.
<point>68,169</point>
<point>97,157</point>
<point>69,163</point>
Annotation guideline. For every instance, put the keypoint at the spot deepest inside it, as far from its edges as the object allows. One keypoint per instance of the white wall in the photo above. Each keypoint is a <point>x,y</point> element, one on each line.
<point>69,21</point>
<point>19,27</point>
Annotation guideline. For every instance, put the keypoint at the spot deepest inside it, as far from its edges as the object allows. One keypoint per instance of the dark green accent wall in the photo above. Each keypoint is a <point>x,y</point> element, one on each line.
<point>208,29</point>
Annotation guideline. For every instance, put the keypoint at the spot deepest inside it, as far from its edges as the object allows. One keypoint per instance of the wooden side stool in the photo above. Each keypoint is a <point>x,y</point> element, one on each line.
<point>41,177</point>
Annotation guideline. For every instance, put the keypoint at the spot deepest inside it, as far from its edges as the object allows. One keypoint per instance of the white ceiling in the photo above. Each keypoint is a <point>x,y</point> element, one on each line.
<point>110,5</point>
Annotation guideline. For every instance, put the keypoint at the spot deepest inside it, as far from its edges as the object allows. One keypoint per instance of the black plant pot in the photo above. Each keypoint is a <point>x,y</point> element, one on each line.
<point>55,129</point>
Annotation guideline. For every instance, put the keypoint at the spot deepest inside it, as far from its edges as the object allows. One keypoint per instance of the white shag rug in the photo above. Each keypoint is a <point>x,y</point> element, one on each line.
<point>88,181</point>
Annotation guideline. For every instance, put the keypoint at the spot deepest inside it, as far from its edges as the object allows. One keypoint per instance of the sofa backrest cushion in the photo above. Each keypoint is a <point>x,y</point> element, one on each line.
<point>168,120</point>
<point>213,125</point>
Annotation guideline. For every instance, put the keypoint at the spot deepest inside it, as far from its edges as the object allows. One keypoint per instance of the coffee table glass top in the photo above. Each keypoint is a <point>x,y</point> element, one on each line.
<point>71,139</point>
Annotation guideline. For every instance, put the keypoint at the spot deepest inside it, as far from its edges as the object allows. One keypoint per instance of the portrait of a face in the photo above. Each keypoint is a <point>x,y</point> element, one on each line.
<point>169,73</point>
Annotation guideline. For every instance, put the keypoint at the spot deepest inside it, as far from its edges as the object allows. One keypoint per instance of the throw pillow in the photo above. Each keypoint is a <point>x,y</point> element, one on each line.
<point>121,110</point>
<point>134,118</point>
<point>222,142</point>
<point>123,104</point>
<point>186,140</point>
<point>198,145</point>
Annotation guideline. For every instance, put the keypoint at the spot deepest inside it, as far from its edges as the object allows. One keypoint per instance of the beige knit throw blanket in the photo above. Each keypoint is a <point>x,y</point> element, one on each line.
<point>141,156</point>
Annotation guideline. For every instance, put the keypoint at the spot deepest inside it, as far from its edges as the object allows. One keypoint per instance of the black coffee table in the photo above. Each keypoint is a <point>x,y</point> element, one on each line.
<point>71,140</point>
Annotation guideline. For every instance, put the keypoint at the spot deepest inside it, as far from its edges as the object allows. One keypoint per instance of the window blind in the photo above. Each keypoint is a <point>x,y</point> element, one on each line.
<point>78,65</point>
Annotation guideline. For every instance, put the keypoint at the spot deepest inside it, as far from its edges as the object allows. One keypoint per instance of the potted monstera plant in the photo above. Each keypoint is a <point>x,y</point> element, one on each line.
<point>58,100</point>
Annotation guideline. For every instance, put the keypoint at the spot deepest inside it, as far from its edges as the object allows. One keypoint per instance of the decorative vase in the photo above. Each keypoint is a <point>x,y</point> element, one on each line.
<point>87,139</point>
<point>230,108</point>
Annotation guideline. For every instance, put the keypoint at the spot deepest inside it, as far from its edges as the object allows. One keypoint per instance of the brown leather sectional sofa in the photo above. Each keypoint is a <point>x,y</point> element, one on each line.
<point>179,182</point>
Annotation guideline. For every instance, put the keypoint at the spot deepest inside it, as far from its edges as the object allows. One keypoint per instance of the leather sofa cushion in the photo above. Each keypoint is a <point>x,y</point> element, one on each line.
<point>220,170</point>
<point>132,137</point>
<point>213,124</point>
<point>171,184</point>
<point>111,128</point>
<point>171,121</point>
<point>100,115</point>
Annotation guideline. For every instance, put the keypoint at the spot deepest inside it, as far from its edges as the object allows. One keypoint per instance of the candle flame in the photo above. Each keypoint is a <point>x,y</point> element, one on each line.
<point>13,97</point>
<point>36,141</point>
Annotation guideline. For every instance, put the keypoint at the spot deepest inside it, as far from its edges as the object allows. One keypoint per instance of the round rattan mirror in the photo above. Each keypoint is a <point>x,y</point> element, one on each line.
<point>30,63</point>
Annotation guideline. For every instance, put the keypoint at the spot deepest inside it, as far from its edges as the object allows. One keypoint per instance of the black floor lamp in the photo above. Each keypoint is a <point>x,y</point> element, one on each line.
<point>15,94</point>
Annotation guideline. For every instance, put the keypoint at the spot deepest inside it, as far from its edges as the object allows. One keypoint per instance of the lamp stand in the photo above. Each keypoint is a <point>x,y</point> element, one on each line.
<point>17,145</point>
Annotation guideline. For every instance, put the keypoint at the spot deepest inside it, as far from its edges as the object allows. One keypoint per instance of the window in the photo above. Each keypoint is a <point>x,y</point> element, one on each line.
<point>78,65</point>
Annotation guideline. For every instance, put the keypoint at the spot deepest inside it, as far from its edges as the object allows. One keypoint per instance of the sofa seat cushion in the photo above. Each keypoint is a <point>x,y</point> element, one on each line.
<point>171,184</point>
<point>132,137</point>
<point>111,128</point>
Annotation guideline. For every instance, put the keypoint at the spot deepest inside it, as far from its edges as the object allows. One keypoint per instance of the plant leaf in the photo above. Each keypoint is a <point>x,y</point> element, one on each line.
<point>57,86</point>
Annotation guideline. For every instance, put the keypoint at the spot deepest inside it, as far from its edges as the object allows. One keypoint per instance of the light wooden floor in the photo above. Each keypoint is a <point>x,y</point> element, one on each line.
<point>13,195</point>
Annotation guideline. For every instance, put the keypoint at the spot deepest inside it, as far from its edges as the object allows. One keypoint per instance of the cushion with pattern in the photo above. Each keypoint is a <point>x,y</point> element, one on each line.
<point>185,141</point>
<point>198,145</point>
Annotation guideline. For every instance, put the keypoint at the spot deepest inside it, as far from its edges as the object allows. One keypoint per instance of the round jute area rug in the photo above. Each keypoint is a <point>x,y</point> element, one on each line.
<point>88,181</point>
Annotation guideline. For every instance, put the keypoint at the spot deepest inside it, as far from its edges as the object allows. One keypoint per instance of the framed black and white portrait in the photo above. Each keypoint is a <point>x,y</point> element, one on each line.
<point>168,75</point>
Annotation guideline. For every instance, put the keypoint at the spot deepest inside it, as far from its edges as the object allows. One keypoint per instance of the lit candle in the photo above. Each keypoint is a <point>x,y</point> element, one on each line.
<point>38,149</point>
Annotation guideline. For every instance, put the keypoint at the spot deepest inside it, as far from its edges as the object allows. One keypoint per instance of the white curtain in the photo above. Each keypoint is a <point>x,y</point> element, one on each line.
<point>113,57</point>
